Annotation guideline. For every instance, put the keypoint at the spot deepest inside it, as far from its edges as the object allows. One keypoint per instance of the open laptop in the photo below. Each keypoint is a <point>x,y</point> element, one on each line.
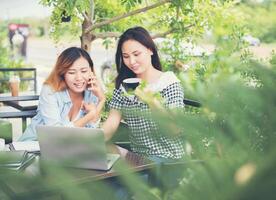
<point>75,147</point>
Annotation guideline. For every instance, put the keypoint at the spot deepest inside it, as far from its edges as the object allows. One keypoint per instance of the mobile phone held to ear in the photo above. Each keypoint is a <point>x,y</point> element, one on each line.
<point>89,85</point>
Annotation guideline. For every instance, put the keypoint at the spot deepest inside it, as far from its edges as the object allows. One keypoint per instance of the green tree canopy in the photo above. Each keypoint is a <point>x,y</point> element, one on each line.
<point>104,19</point>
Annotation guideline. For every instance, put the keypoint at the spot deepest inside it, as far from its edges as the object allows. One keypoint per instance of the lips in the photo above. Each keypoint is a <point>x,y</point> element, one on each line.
<point>79,85</point>
<point>134,68</point>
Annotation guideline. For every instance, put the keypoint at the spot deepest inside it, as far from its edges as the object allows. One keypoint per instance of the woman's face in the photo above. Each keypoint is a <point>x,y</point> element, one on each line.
<point>77,76</point>
<point>136,57</point>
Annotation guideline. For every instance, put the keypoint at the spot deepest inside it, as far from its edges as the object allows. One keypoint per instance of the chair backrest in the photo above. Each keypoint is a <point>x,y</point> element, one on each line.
<point>192,103</point>
<point>23,111</point>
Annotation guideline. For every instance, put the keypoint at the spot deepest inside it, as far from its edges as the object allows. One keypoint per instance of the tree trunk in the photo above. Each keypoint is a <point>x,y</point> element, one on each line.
<point>86,38</point>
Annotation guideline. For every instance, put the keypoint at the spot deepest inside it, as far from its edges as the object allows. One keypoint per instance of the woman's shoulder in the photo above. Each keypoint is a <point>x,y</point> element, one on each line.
<point>166,79</point>
<point>169,77</point>
<point>46,89</point>
<point>173,88</point>
<point>118,92</point>
<point>117,100</point>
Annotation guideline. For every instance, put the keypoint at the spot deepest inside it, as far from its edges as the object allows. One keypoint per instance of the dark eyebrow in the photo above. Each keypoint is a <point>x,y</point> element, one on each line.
<point>80,69</point>
<point>84,68</point>
<point>136,51</point>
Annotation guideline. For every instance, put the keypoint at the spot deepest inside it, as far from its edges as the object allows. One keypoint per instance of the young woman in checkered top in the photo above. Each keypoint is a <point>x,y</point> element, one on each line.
<point>137,56</point>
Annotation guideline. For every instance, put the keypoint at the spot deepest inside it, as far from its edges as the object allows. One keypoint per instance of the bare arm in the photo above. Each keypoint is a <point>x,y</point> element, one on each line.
<point>112,123</point>
<point>95,110</point>
<point>93,113</point>
<point>85,119</point>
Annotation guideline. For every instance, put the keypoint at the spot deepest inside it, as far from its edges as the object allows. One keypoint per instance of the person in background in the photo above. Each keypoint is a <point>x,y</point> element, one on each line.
<point>137,56</point>
<point>71,95</point>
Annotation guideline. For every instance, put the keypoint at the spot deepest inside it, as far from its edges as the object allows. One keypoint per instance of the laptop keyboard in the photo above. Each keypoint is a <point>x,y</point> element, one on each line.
<point>135,159</point>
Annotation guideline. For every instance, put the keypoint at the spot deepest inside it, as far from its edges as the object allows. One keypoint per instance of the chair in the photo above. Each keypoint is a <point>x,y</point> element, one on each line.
<point>192,103</point>
<point>6,131</point>
<point>24,111</point>
<point>6,73</point>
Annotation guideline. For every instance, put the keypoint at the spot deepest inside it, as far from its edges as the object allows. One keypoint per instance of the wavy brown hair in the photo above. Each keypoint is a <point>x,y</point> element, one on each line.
<point>65,60</point>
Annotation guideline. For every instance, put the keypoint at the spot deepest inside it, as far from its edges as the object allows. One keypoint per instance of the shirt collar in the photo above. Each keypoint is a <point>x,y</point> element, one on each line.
<point>66,97</point>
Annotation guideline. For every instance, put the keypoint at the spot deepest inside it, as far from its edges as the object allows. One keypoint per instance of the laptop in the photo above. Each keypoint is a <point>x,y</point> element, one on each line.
<point>75,147</point>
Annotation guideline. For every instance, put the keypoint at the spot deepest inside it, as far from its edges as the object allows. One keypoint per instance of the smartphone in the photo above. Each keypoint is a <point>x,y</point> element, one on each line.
<point>88,84</point>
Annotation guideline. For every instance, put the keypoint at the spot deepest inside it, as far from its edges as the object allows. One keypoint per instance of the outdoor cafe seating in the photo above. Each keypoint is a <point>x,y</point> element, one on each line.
<point>22,105</point>
<point>135,163</point>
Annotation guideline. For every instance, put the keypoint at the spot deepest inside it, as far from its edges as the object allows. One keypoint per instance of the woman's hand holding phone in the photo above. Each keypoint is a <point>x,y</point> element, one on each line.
<point>94,86</point>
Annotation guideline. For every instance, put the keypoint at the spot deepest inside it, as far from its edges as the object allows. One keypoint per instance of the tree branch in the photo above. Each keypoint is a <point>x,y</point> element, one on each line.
<point>85,16</point>
<point>92,3</point>
<point>160,35</point>
<point>107,35</point>
<point>117,34</point>
<point>134,12</point>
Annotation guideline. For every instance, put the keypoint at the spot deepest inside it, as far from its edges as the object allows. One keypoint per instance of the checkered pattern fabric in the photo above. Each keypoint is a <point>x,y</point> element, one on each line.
<point>145,136</point>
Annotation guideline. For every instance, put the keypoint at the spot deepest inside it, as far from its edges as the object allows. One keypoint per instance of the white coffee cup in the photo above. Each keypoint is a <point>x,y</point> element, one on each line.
<point>131,83</point>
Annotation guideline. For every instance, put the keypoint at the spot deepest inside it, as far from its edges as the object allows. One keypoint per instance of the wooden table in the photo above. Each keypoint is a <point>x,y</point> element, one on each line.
<point>75,177</point>
<point>131,161</point>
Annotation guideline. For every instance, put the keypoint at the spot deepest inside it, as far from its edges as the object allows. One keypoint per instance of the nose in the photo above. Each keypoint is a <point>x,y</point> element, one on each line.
<point>78,76</point>
<point>132,59</point>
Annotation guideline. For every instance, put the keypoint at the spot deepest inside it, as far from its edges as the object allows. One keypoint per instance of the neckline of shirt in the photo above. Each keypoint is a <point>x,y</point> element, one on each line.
<point>166,79</point>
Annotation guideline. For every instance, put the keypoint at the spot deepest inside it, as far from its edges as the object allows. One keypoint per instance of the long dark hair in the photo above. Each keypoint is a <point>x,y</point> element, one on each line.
<point>142,36</point>
<point>65,60</point>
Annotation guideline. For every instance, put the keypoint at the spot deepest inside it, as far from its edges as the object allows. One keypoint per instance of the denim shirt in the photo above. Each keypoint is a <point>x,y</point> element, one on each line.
<point>53,109</point>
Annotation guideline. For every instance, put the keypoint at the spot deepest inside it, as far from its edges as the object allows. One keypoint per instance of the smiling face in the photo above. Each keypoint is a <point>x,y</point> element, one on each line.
<point>136,57</point>
<point>77,76</point>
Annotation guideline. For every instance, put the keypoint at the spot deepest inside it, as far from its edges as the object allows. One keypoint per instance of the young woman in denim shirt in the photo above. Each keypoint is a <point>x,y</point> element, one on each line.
<point>70,96</point>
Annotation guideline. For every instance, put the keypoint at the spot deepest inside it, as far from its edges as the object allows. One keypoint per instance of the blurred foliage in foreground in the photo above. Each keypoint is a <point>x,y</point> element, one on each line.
<point>234,136</point>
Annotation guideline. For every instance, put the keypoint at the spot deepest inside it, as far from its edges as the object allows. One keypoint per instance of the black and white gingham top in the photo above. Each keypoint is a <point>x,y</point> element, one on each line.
<point>145,137</point>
